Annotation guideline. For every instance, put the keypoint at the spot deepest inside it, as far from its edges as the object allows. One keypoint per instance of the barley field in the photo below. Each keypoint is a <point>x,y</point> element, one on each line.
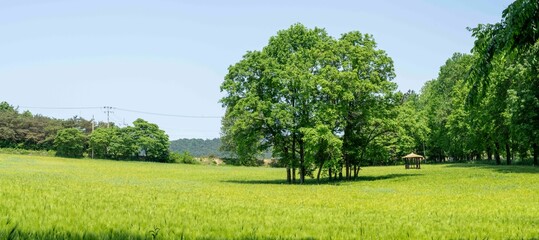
<point>56,198</point>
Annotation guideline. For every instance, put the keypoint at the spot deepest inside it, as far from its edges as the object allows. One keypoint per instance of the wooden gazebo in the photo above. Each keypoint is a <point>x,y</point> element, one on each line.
<point>412,160</point>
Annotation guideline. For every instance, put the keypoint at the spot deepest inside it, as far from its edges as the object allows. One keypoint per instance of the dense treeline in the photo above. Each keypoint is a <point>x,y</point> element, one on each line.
<point>74,137</point>
<point>486,105</point>
<point>319,103</point>
<point>35,132</point>
<point>198,147</point>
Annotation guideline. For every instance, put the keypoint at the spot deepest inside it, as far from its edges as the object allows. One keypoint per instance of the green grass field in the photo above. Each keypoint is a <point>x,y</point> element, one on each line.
<point>56,198</point>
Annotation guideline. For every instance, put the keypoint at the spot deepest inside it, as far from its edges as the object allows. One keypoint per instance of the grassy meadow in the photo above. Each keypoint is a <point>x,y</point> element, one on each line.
<point>55,198</point>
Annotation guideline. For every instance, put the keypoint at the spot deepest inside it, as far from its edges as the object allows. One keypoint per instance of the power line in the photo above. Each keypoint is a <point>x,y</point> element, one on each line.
<point>164,114</point>
<point>60,108</point>
<point>108,110</point>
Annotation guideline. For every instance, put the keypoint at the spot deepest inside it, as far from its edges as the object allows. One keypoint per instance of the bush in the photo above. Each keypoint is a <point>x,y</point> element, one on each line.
<point>184,157</point>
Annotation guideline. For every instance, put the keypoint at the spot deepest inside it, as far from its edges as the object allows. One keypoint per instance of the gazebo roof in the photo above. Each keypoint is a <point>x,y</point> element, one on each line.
<point>413,155</point>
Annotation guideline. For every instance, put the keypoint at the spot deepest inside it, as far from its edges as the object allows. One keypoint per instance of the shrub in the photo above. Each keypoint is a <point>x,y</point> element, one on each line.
<point>184,157</point>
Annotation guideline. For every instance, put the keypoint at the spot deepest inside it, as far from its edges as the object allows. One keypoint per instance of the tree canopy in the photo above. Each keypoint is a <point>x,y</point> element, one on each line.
<point>69,142</point>
<point>142,141</point>
<point>315,101</point>
<point>486,104</point>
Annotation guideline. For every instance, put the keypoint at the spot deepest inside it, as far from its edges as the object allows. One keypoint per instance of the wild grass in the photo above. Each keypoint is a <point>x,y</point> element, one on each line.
<point>21,151</point>
<point>56,198</point>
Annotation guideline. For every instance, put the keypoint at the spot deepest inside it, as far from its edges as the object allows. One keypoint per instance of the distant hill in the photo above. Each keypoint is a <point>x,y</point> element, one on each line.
<point>198,147</point>
<point>204,147</point>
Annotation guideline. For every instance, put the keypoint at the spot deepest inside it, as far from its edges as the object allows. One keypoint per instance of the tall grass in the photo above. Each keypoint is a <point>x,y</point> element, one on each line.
<point>21,151</point>
<point>57,198</point>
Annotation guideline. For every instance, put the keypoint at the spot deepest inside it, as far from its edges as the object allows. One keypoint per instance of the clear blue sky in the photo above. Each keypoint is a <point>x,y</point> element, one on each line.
<point>170,57</point>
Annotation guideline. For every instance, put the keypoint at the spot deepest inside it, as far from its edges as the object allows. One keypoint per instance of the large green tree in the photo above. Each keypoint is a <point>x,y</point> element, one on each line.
<point>412,129</point>
<point>302,88</point>
<point>364,96</point>
<point>269,98</point>
<point>100,142</point>
<point>142,141</point>
<point>151,142</point>
<point>70,142</point>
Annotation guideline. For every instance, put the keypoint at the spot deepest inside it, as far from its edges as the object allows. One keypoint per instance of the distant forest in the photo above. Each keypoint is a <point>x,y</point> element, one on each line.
<point>198,147</point>
<point>206,147</point>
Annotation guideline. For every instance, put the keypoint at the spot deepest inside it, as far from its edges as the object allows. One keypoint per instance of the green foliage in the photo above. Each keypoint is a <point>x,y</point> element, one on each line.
<point>100,142</point>
<point>323,148</point>
<point>57,198</point>
<point>305,80</point>
<point>33,132</point>
<point>143,141</point>
<point>6,107</point>
<point>70,143</point>
<point>515,34</point>
<point>151,142</point>
<point>184,157</point>
<point>443,100</point>
<point>26,131</point>
<point>486,104</point>
<point>413,125</point>
<point>79,123</point>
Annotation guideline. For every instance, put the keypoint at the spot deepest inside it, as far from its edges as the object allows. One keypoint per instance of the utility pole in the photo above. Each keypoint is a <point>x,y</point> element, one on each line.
<point>108,111</point>
<point>93,126</point>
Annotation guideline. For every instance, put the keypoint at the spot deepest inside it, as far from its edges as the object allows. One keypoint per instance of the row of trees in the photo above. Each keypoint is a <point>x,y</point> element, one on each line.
<point>326,104</point>
<point>74,137</point>
<point>318,103</point>
<point>27,131</point>
<point>486,104</point>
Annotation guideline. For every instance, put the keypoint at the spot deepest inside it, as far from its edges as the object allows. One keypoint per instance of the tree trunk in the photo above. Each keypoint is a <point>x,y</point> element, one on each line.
<point>442,156</point>
<point>288,175</point>
<point>535,153</point>
<point>294,158</point>
<point>356,172</point>
<point>302,162</point>
<point>320,170</point>
<point>347,168</point>
<point>497,153</point>
<point>508,153</point>
<point>489,153</point>
<point>345,146</point>
<point>329,173</point>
